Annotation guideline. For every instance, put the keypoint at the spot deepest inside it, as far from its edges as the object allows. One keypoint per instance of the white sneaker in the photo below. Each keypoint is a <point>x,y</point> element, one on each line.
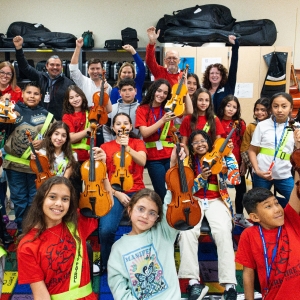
<point>241,221</point>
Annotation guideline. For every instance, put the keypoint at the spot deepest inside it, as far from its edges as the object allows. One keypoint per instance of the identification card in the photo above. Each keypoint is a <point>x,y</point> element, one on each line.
<point>40,136</point>
<point>205,204</point>
<point>47,98</point>
<point>159,145</point>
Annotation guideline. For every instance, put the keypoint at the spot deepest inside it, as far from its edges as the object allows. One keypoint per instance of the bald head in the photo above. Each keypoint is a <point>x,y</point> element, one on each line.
<point>172,60</point>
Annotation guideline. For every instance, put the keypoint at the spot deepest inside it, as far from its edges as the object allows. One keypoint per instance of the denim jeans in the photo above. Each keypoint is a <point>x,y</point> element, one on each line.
<point>283,186</point>
<point>108,226</point>
<point>157,171</point>
<point>22,191</point>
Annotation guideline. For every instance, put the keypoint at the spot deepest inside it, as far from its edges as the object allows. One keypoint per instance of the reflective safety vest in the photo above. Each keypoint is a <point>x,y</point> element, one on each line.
<point>162,138</point>
<point>82,144</point>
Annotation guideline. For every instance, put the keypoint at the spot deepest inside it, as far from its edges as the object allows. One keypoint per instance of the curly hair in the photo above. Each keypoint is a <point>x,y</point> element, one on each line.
<point>224,73</point>
<point>67,107</point>
<point>209,113</point>
<point>13,80</point>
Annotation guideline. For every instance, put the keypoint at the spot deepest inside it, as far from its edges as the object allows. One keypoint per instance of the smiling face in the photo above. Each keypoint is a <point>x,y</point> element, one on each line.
<point>260,112</point>
<point>56,204</point>
<point>160,95</point>
<point>75,100</point>
<point>54,67</point>
<point>172,60</point>
<point>269,213</point>
<point>191,85</point>
<point>120,121</point>
<point>143,215</point>
<point>126,72</point>
<point>199,145</point>
<point>32,96</point>
<point>94,71</point>
<point>6,75</point>
<point>230,110</point>
<point>203,102</point>
<point>215,76</point>
<point>281,109</point>
<point>58,138</point>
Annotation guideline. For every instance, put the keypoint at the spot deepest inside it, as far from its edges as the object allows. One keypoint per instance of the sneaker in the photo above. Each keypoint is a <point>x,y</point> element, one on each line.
<point>197,291</point>
<point>5,219</point>
<point>7,239</point>
<point>96,270</point>
<point>101,270</point>
<point>242,222</point>
<point>231,294</point>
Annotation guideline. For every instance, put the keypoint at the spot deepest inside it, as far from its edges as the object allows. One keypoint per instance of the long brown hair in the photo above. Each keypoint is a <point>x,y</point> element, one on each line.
<point>67,107</point>
<point>13,80</point>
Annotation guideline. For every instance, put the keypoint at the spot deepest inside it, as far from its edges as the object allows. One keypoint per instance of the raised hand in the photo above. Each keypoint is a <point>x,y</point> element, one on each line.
<point>79,42</point>
<point>18,42</point>
<point>152,35</point>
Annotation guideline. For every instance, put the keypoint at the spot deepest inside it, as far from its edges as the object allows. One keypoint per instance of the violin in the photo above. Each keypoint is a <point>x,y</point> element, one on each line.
<point>122,179</point>
<point>213,159</point>
<point>98,112</point>
<point>94,201</point>
<point>179,90</point>
<point>183,212</point>
<point>7,115</point>
<point>40,165</point>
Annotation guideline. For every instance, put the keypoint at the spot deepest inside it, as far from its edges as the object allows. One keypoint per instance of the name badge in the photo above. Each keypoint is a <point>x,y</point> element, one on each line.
<point>205,204</point>
<point>159,145</point>
<point>47,98</point>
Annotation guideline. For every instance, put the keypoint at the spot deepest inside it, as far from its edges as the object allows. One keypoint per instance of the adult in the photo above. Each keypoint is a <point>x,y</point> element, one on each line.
<point>53,82</point>
<point>172,71</point>
<point>215,77</point>
<point>91,84</point>
<point>8,82</point>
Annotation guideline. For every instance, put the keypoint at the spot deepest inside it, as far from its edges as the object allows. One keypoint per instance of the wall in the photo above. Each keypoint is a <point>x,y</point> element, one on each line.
<point>107,18</point>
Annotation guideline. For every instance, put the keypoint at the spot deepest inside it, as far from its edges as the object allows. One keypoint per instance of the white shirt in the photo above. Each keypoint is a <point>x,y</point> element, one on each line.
<point>87,85</point>
<point>264,137</point>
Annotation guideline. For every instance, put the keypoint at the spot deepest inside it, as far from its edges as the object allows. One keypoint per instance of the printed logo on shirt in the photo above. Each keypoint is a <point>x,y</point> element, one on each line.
<point>38,119</point>
<point>145,271</point>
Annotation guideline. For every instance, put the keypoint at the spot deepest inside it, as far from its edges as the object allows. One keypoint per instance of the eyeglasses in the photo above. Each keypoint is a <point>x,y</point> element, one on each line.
<point>199,142</point>
<point>152,215</point>
<point>171,58</point>
<point>3,74</point>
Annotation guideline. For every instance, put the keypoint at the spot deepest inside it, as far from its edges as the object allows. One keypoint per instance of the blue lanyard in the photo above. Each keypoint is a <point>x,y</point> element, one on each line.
<point>274,252</point>
<point>155,119</point>
<point>199,172</point>
<point>280,141</point>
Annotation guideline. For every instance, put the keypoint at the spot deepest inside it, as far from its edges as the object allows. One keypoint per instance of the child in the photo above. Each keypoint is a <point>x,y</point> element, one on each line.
<point>272,165</point>
<point>135,147</point>
<point>127,70</point>
<point>211,192</point>
<point>127,103</point>
<point>272,248</point>
<point>192,84</point>
<point>21,179</point>
<point>229,112</point>
<point>58,150</point>
<point>261,112</point>
<point>154,123</point>
<point>203,117</point>
<point>52,254</point>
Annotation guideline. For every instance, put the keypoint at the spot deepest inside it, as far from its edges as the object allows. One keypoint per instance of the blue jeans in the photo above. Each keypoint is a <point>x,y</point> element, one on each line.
<point>283,186</point>
<point>22,191</point>
<point>157,170</point>
<point>108,226</point>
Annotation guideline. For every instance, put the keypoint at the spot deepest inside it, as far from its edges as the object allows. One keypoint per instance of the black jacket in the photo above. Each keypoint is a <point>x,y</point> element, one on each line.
<point>58,90</point>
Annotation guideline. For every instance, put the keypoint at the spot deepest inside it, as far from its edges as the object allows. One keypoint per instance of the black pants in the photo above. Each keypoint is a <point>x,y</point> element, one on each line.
<point>240,190</point>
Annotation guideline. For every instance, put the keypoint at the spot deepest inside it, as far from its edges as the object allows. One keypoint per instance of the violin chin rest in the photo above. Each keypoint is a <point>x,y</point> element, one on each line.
<point>87,212</point>
<point>117,187</point>
<point>182,225</point>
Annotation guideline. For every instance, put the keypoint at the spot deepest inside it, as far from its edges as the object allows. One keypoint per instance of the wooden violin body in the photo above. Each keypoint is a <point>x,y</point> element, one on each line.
<point>94,201</point>
<point>40,165</point>
<point>7,115</point>
<point>98,112</point>
<point>183,212</point>
<point>213,159</point>
<point>122,179</point>
<point>176,103</point>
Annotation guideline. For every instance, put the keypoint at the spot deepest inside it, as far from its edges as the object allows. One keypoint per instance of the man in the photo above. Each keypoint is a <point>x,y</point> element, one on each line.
<point>171,60</point>
<point>53,82</point>
<point>92,84</point>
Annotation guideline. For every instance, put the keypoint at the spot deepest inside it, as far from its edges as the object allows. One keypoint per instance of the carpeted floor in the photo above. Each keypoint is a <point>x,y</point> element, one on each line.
<point>207,261</point>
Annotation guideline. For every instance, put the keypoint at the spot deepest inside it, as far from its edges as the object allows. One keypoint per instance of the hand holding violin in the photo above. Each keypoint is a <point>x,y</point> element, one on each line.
<point>169,116</point>
<point>297,138</point>
<point>182,154</point>
<point>99,154</point>
<point>206,172</point>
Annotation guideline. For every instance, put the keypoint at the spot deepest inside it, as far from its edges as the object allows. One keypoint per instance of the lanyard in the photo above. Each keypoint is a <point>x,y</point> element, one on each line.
<point>199,172</point>
<point>274,252</point>
<point>280,141</point>
<point>155,119</point>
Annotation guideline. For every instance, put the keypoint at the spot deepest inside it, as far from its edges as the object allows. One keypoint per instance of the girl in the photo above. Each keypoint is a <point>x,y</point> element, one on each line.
<point>215,77</point>
<point>154,123</point>
<point>274,143</point>
<point>109,223</point>
<point>127,70</point>
<point>229,112</point>
<point>58,150</point>
<point>52,247</point>
<point>261,112</point>
<point>211,192</point>
<point>193,83</point>
<point>203,117</point>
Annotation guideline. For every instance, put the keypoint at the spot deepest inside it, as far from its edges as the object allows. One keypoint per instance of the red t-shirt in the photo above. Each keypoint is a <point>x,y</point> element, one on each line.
<point>186,130</point>
<point>145,117</point>
<point>136,170</point>
<point>76,123</point>
<point>285,273</point>
<point>16,94</point>
<point>50,260</point>
<point>237,136</point>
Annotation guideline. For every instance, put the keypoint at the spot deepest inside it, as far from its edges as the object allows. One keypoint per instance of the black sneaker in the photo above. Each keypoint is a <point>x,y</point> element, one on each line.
<point>231,294</point>
<point>98,268</point>
<point>197,291</point>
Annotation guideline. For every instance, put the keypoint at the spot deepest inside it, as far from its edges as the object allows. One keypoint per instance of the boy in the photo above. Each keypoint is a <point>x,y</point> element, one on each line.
<point>35,119</point>
<point>127,103</point>
<point>272,247</point>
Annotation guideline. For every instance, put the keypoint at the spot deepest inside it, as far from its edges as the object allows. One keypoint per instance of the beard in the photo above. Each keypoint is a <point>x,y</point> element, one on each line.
<point>172,68</point>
